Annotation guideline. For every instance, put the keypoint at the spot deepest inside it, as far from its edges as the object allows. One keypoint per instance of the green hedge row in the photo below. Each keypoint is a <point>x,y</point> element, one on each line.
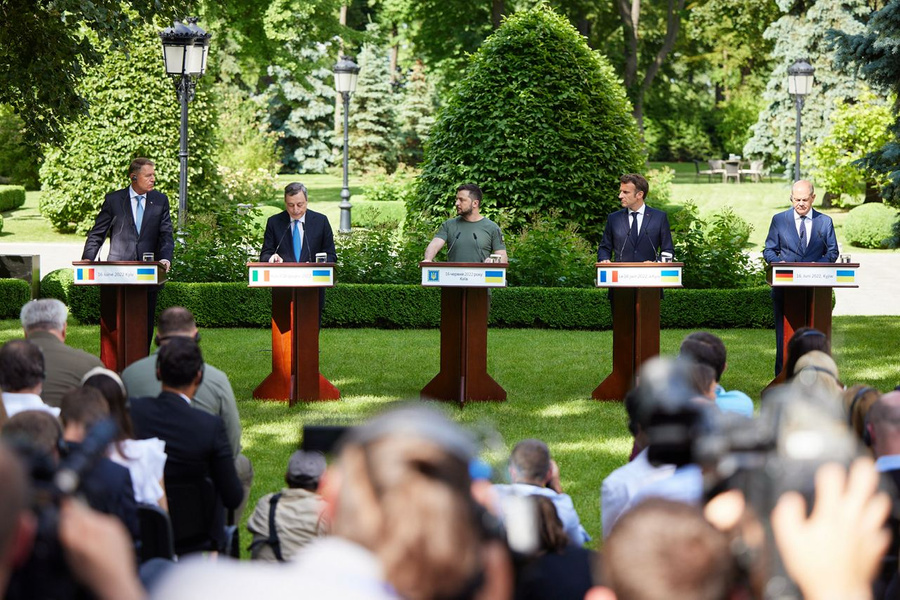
<point>412,306</point>
<point>13,294</point>
<point>11,196</point>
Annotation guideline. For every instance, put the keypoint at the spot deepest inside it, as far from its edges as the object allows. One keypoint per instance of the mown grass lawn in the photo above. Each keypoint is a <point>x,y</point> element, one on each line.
<point>548,375</point>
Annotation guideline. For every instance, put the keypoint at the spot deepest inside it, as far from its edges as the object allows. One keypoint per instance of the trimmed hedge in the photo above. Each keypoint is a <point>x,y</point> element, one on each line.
<point>11,196</point>
<point>14,293</point>
<point>412,306</point>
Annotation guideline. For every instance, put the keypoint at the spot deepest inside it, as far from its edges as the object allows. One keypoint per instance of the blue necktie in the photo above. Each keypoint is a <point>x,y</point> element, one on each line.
<point>139,219</point>
<point>298,243</point>
<point>803,235</point>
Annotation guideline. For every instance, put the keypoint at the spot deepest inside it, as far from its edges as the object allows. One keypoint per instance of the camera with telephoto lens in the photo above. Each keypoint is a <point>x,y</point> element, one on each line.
<point>45,575</point>
<point>800,428</point>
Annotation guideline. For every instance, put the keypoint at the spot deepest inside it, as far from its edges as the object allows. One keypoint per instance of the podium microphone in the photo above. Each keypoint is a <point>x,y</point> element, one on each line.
<point>278,245</point>
<point>305,241</point>
<point>453,241</point>
<point>480,253</point>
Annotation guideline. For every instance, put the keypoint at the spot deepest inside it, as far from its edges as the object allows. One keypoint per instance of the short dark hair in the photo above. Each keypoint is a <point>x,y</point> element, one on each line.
<point>21,365</point>
<point>640,184</point>
<point>294,188</point>
<point>138,164</point>
<point>665,549</point>
<point>83,406</point>
<point>173,320</point>
<point>706,349</point>
<point>473,190</point>
<point>805,339</point>
<point>531,460</point>
<point>178,362</point>
<point>37,428</point>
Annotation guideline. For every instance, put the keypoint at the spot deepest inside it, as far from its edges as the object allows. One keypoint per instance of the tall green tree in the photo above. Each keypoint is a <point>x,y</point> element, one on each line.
<point>372,116</point>
<point>540,122</point>
<point>46,47</point>
<point>415,115</point>
<point>800,34</point>
<point>872,53</point>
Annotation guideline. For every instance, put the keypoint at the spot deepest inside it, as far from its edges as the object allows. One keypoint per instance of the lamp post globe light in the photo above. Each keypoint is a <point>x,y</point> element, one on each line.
<point>346,73</point>
<point>185,50</point>
<point>800,81</point>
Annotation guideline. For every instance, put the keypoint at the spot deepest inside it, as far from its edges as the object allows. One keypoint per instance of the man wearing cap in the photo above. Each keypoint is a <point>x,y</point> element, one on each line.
<point>294,511</point>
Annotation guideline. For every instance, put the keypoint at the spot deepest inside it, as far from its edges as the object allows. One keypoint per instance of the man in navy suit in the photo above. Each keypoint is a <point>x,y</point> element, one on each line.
<point>137,221</point>
<point>799,234</point>
<point>637,233</point>
<point>297,234</point>
<point>196,443</point>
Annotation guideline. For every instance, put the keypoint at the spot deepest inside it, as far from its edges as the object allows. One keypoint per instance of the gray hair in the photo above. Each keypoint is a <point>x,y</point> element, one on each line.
<point>292,189</point>
<point>45,314</point>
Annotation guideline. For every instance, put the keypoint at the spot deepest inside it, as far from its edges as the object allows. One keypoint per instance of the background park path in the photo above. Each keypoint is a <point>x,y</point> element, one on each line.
<point>878,276</point>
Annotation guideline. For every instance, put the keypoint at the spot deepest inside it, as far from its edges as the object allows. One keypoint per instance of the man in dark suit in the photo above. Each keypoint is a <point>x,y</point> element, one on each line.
<point>138,222</point>
<point>297,234</point>
<point>196,443</point>
<point>637,233</point>
<point>799,234</point>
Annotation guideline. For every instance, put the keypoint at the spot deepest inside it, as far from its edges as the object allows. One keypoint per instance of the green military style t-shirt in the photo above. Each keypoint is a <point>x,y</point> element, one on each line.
<point>470,242</point>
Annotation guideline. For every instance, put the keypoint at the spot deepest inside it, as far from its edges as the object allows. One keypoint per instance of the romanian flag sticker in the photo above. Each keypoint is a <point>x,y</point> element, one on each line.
<point>846,276</point>
<point>669,276</point>
<point>321,276</point>
<point>84,274</point>
<point>146,274</point>
<point>784,275</point>
<point>493,276</point>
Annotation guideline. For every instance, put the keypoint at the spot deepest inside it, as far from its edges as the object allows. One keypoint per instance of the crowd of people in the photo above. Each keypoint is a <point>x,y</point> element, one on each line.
<point>404,507</point>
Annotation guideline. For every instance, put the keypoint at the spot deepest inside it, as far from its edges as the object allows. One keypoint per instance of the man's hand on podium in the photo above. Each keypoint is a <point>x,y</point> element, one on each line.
<point>166,264</point>
<point>275,259</point>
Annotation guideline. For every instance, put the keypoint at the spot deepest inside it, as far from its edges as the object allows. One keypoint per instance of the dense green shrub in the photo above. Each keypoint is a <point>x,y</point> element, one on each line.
<point>399,186</point>
<point>11,196</point>
<point>18,160</point>
<point>57,284</point>
<point>413,306</point>
<point>369,256</point>
<point>539,121</point>
<point>871,225</point>
<point>14,293</point>
<point>133,112</point>
<point>366,214</point>
<point>716,253</point>
<point>548,253</point>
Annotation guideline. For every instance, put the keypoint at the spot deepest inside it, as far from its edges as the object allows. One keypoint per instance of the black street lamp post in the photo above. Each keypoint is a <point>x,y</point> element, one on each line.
<point>345,74</point>
<point>800,80</point>
<point>185,50</point>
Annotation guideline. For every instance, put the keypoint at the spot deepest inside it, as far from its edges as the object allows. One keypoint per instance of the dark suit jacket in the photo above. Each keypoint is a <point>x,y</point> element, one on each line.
<point>279,239</point>
<point>116,219</point>
<point>196,443</point>
<point>654,237</point>
<point>783,241</point>
<point>107,488</point>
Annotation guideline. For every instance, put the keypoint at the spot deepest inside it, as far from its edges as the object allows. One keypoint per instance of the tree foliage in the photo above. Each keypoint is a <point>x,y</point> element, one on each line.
<point>134,112</point>
<point>46,48</point>
<point>540,122</point>
<point>415,115</point>
<point>372,126</point>
<point>18,160</point>
<point>873,55</point>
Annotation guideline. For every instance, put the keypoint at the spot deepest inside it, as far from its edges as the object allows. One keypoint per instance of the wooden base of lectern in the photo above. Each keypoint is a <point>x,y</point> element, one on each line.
<point>803,307</point>
<point>463,376</point>
<point>635,339</point>
<point>123,325</point>
<point>295,349</point>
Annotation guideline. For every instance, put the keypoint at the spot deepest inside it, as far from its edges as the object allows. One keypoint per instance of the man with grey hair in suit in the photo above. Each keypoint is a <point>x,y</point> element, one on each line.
<point>44,322</point>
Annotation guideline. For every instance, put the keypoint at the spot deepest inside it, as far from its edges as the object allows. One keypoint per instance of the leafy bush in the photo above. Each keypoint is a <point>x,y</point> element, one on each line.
<point>218,246</point>
<point>399,186</point>
<point>549,254</point>
<point>715,253</point>
<point>14,293</point>
<point>57,284</point>
<point>539,121</point>
<point>368,215</point>
<point>133,112</point>
<point>413,306</point>
<point>247,186</point>
<point>248,145</point>
<point>369,255</point>
<point>11,196</point>
<point>871,225</point>
<point>18,160</point>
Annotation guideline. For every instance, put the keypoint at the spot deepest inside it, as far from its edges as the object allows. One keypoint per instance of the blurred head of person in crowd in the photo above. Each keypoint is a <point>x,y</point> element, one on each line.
<point>805,339</point>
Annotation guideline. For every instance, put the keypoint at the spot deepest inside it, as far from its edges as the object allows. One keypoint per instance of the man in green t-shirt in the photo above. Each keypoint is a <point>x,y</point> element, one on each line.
<point>470,237</point>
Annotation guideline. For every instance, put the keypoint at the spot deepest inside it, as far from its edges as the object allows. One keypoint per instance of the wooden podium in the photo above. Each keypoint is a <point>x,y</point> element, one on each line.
<point>124,286</point>
<point>295,330</point>
<point>807,296</point>
<point>464,315</point>
<point>635,303</point>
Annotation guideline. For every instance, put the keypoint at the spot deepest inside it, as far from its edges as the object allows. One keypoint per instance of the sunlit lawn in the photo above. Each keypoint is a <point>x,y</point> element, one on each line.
<point>549,376</point>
